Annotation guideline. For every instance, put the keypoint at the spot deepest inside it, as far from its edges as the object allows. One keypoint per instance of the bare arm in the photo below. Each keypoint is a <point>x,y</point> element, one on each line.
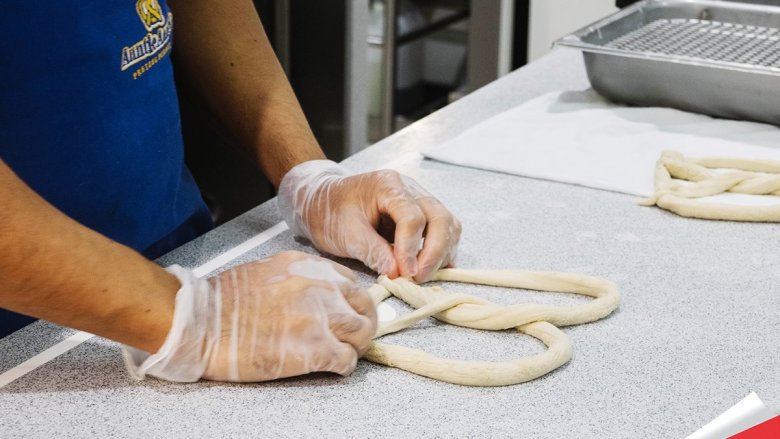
<point>53,268</point>
<point>225,53</point>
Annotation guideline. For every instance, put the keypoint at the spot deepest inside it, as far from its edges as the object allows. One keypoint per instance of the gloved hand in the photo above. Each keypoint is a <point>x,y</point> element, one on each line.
<point>344,216</point>
<point>287,315</point>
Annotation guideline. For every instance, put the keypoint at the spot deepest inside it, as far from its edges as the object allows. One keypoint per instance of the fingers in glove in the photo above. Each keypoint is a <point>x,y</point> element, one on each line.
<point>441,237</point>
<point>334,356</point>
<point>409,220</point>
<point>351,316</point>
<point>354,329</point>
<point>367,246</point>
<point>452,259</point>
<point>359,299</point>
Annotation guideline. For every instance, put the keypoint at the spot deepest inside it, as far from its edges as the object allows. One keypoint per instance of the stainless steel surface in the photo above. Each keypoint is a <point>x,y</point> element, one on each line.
<point>490,41</point>
<point>356,78</point>
<point>388,68</point>
<point>715,57</point>
<point>707,40</point>
<point>759,2</point>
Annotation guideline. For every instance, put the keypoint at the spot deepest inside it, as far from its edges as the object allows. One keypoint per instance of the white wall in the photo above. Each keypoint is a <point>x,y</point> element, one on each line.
<point>552,19</point>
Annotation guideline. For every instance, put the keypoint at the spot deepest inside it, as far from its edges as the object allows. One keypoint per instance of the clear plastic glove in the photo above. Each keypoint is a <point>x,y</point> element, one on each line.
<point>287,315</point>
<point>357,216</point>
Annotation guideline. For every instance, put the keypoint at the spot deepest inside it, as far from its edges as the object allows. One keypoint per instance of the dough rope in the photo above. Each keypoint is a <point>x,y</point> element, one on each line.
<point>469,311</point>
<point>753,177</point>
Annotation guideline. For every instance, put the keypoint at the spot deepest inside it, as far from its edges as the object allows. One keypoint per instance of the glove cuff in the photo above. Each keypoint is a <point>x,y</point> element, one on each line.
<point>295,188</point>
<point>182,356</point>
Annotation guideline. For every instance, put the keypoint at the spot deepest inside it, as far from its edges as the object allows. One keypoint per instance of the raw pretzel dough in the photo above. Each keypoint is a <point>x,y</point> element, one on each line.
<point>755,177</point>
<point>536,320</point>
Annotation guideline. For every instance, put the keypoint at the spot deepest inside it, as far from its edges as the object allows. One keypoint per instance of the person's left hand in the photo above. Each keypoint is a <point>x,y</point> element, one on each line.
<point>358,216</point>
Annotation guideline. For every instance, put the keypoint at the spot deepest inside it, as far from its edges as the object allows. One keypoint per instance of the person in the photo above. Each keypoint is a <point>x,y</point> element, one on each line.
<point>93,185</point>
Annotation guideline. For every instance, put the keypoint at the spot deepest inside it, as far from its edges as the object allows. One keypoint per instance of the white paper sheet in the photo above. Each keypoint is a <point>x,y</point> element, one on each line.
<point>578,137</point>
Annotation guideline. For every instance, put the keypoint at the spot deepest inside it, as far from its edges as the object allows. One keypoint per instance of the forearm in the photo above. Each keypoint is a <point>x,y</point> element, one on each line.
<point>223,49</point>
<point>53,268</point>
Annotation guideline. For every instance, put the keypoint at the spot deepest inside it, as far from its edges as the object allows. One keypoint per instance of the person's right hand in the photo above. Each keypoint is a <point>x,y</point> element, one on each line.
<point>287,315</point>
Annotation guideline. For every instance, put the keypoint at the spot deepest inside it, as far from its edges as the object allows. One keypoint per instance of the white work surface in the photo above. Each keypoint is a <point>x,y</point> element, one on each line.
<point>697,331</point>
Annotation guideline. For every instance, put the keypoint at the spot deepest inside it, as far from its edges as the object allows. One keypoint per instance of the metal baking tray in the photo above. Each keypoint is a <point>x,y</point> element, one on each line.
<point>720,58</point>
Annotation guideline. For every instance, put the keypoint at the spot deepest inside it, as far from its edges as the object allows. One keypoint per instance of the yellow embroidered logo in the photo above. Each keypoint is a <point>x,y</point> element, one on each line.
<point>151,13</point>
<point>157,41</point>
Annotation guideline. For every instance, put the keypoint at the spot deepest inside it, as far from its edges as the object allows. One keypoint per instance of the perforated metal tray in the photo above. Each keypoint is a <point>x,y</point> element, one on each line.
<point>715,57</point>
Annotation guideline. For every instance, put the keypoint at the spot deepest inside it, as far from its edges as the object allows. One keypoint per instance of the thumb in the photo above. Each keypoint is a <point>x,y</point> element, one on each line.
<point>370,248</point>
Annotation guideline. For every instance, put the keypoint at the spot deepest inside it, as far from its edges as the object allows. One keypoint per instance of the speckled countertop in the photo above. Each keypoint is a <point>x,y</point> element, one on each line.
<point>698,328</point>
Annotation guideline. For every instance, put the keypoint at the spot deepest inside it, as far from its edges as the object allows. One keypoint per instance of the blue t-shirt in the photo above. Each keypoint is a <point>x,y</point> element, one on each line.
<point>89,117</point>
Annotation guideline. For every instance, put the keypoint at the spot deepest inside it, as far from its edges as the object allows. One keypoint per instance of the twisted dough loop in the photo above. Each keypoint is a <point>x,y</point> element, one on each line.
<point>753,177</point>
<point>469,311</point>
